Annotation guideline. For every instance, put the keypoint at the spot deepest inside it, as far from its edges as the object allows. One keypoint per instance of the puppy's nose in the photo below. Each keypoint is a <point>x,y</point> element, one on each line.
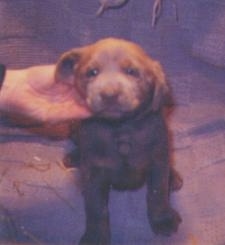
<point>109,99</point>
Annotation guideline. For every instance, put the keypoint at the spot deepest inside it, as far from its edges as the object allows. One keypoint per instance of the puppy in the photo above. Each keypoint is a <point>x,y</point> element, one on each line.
<point>125,144</point>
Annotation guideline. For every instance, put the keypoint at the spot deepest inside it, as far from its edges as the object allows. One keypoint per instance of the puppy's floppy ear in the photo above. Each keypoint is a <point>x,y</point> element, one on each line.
<point>66,66</point>
<point>161,94</point>
<point>65,73</point>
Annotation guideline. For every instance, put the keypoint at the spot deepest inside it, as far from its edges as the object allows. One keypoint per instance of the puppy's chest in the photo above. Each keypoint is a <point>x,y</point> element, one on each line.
<point>124,143</point>
<point>106,145</point>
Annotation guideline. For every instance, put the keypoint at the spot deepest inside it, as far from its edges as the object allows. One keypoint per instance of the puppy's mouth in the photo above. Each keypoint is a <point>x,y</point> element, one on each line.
<point>111,112</point>
<point>112,107</point>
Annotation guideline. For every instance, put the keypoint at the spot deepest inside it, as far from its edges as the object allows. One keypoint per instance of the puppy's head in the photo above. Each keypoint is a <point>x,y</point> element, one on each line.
<point>113,77</point>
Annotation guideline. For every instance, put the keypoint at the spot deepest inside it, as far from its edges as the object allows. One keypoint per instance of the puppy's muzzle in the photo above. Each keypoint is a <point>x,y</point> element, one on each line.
<point>109,99</point>
<point>112,101</point>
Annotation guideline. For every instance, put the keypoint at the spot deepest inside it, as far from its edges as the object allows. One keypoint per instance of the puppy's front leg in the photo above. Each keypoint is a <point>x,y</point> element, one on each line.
<point>96,195</point>
<point>163,219</point>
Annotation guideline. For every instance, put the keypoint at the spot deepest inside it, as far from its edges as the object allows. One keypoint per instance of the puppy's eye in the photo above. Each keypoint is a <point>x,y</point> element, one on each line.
<point>93,72</point>
<point>132,71</point>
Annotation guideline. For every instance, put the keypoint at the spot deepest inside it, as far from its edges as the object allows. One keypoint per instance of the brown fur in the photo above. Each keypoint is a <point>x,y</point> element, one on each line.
<point>125,144</point>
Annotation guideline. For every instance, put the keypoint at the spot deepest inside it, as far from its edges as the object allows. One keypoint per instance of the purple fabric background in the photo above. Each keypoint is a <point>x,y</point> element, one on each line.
<point>39,201</point>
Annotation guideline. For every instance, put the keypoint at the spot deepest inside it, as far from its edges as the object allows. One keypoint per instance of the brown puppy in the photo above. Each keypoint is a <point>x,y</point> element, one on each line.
<point>125,144</point>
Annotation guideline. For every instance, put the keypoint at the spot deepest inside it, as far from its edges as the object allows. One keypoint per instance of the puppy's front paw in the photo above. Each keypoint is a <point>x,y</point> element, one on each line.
<point>87,240</point>
<point>166,222</point>
<point>90,239</point>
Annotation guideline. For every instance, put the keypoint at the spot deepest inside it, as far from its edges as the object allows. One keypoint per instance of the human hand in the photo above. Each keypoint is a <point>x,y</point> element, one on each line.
<point>33,94</point>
